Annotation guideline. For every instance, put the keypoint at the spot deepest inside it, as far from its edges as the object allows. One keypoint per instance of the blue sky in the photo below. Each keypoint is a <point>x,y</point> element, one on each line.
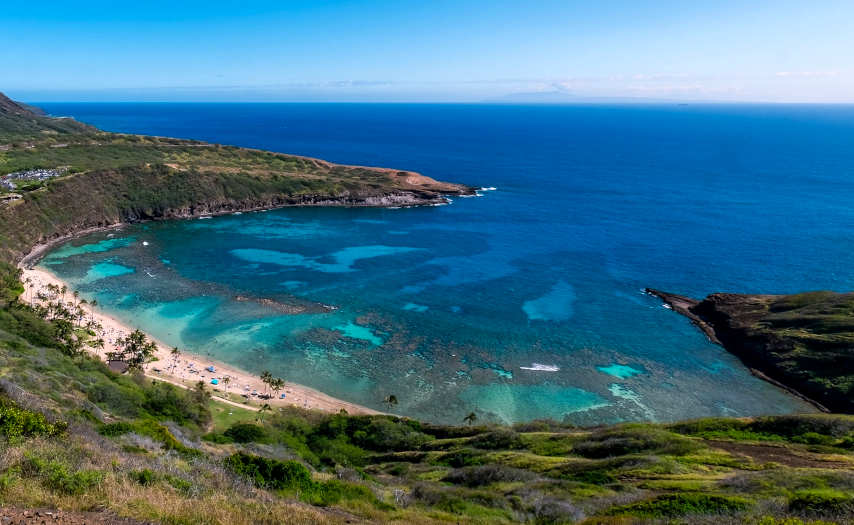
<point>460,51</point>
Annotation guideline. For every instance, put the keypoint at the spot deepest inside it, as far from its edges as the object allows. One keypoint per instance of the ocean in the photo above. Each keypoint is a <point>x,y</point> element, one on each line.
<point>521,304</point>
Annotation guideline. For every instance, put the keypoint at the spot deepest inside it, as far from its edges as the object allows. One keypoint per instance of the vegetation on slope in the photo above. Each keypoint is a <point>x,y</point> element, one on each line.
<point>76,436</point>
<point>804,341</point>
<point>19,122</point>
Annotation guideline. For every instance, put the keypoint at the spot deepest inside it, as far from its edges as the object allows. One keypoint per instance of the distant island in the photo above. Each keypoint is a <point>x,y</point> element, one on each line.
<point>76,178</point>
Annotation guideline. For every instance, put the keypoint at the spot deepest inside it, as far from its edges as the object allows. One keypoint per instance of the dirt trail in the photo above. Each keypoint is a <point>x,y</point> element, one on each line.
<point>12,516</point>
<point>779,454</point>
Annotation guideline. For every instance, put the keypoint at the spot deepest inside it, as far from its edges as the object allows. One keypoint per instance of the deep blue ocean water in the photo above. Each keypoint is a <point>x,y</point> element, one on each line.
<point>455,308</point>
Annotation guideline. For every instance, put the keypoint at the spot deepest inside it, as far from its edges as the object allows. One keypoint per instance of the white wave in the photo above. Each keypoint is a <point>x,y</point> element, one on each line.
<point>491,188</point>
<point>667,306</point>
<point>145,243</point>
<point>205,217</point>
<point>541,368</point>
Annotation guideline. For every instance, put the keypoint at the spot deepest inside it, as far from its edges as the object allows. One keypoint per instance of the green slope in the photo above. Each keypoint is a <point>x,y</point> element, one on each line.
<point>803,341</point>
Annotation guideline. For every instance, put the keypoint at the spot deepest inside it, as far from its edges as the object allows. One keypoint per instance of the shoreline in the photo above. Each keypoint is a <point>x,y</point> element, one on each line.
<point>39,250</point>
<point>191,368</point>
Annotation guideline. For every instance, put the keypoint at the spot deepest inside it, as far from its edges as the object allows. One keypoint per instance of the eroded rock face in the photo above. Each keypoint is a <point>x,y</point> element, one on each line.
<point>804,342</point>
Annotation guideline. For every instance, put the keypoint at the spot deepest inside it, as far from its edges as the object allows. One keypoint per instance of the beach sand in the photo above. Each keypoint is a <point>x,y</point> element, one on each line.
<point>190,368</point>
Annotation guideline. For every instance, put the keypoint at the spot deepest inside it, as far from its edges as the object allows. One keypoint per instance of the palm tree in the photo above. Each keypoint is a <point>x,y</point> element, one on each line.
<point>471,418</point>
<point>28,282</point>
<point>93,304</point>
<point>390,400</point>
<point>175,355</point>
<point>63,290</point>
<point>277,384</point>
<point>266,378</point>
<point>264,408</point>
<point>225,381</point>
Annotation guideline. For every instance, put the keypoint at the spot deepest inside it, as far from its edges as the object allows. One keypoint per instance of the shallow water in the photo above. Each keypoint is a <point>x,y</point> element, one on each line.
<point>444,306</point>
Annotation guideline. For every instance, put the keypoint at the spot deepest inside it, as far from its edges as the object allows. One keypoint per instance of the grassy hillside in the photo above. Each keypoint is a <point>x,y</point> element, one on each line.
<point>111,177</point>
<point>75,436</point>
<point>20,123</point>
<point>804,341</point>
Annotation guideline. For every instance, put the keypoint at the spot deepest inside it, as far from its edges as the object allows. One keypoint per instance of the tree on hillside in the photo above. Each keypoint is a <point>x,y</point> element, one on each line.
<point>471,418</point>
<point>201,393</point>
<point>390,400</point>
<point>264,408</point>
<point>135,350</point>
<point>66,339</point>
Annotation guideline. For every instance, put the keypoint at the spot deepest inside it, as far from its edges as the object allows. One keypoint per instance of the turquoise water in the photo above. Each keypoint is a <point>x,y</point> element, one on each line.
<point>520,304</point>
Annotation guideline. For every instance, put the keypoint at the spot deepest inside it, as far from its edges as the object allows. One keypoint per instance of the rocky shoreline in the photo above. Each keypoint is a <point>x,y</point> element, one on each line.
<point>732,321</point>
<point>390,200</point>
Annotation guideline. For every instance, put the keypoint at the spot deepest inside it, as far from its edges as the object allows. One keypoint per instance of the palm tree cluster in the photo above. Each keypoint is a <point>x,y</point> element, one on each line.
<point>71,332</point>
<point>135,350</point>
<point>276,384</point>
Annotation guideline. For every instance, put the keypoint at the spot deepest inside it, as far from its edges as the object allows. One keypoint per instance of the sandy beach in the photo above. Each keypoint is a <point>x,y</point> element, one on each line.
<point>242,388</point>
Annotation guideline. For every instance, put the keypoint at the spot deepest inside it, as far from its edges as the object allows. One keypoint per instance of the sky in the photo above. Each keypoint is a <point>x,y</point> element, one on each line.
<point>428,51</point>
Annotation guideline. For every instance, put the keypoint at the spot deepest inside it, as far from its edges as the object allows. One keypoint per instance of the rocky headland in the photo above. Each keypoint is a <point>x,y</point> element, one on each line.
<point>803,342</point>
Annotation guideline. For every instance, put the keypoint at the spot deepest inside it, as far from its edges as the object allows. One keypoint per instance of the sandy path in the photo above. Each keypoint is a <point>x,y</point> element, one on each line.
<point>190,368</point>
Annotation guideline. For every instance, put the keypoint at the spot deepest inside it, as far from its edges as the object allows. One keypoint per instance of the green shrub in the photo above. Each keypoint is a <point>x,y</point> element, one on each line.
<point>291,477</point>
<point>26,324</point>
<point>334,491</point>
<point>672,505</point>
<point>814,438</point>
<point>181,485</point>
<point>633,440</point>
<point>497,440</point>
<point>338,452</point>
<point>462,458</point>
<point>219,439</point>
<point>790,426</point>
<point>595,477</point>
<point>378,433</point>
<point>7,479</point>
<point>487,474</point>
<point>245,433</point>
<point>58,477</point>
<point>158,432</point>
<point>166,402</point>
<point>115,429</point>
<point>144,477</point>
<point>270,473</point>
<point>822,502</point>
<point>17,422</point>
